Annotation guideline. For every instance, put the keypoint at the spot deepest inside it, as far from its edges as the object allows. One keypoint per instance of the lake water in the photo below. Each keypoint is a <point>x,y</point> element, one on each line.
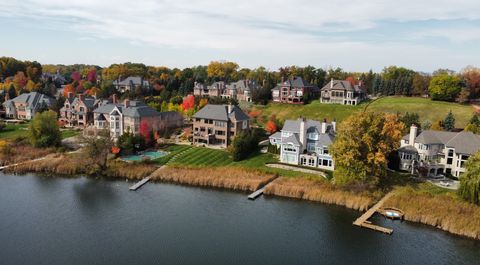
<point>83,221</point>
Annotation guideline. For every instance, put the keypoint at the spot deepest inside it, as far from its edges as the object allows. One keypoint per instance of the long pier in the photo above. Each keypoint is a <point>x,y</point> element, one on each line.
<point>139,184</point>
<point>362,221</point>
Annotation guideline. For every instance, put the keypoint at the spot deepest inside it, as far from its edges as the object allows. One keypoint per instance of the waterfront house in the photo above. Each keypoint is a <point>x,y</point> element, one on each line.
<point>217,125</point>
<point>130,115</point>
<point>306,143</point>
<point>131,83</point>
<point>78,111</point>
<point>342,92</point>
<point>437,151</point>
<point>25,106</point>
<point>294,91</point>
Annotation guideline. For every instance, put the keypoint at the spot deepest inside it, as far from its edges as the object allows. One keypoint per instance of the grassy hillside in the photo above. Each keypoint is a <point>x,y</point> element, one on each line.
<point>426,108</point>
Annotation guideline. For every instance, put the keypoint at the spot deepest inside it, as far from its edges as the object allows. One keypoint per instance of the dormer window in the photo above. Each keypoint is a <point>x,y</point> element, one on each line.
<point>313,136</point>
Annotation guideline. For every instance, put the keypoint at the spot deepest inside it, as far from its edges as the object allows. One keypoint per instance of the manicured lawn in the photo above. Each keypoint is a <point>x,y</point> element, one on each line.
<point>69,133</point>
<point>426,108</point>
<point>201,157</point>
<point>14,130</point>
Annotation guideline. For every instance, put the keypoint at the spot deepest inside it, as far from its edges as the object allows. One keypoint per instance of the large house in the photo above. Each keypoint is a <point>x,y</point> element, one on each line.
<point>130,115</point>
<point>131,83</point>
<point>438,152</point>
<point>306,142</point>
<point>342,92</point>
<point>217,125</point>
<point>293,91</point>
<point>25,106</point>
<point>78,111</point>
<point>241,90</point>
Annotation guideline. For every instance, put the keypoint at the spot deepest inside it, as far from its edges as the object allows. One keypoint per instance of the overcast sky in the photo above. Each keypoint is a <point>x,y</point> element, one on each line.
<point>356,35</point>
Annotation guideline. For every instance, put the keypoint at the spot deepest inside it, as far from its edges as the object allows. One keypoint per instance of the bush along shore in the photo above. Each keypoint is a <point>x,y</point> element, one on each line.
<point>434,206</point>
<point>421,203</point>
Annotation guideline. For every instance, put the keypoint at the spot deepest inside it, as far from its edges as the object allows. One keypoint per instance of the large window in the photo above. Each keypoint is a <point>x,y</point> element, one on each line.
<point>289,148</point>
<point>313,136</point>
<point>311,147</point>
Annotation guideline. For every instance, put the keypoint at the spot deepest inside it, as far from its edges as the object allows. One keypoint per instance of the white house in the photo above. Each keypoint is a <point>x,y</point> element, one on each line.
<point>439,152</point>
<point>306,142</point>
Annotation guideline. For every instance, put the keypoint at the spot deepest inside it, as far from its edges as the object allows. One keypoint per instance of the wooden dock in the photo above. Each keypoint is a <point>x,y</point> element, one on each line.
<point>362,221</point>
<point>137,185</point>
<point>257,193</point>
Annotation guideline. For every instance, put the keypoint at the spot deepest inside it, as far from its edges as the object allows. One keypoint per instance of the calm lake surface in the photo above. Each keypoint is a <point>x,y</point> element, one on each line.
<point>83,221</point>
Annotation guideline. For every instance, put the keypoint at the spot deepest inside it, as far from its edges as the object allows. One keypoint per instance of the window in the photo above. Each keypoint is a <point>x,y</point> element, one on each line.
<point>313,136</point>
<point>220,124</point>
<point>311,147</point>
<point>289,148</point>
<point>311,162</point>
<point>286,134</point>
<point>450,152</point>
<point>449,161</point>
<point>220,132</point>
<point>245,125</point>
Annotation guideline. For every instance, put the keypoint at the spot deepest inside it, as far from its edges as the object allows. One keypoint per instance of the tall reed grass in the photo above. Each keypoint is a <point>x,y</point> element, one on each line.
<point>319,191</point>
<point>62,164</point>
<point>429,205</point>
<point>226,178</point>
<point>134,171</point>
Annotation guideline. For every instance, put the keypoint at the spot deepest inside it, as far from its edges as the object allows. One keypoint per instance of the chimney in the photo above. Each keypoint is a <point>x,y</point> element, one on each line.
<point>283,79</point>
<point>127,103</point>
<point>81,97</point>
<point>324,126</point>
<point>264,82</point>
<point>114,99</point>
<point>230,108</point>
<point>331,83</point>
<point>413,135</point>
<point>334,125</point>
<point>7,95</point>
<point>303,133</point>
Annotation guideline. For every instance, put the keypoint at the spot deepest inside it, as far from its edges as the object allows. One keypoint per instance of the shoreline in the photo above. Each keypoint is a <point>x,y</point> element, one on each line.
<point>314,190</point>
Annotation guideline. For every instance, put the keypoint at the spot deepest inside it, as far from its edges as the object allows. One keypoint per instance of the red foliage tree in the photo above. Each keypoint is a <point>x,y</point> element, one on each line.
<point>76,76</point>
<point>68,89</point>
<point>351,80</point>
<point>145,131</point>
<point>188,102</point>
<point>271,127</point>
<point>92,76</point>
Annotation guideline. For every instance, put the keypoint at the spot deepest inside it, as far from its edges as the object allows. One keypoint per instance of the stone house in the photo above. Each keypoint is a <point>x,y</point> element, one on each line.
<point>25,106</point>
<point>294,90</point>
<point>306,143</point>
<point>130,115</point>
<point>217,125</point>
<point>131,83</point>
<point>78,111</point>
<point>437,151</point>
<point>342,92</point>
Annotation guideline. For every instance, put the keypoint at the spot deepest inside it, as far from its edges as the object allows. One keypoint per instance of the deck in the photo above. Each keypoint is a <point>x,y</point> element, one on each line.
<point>139,184</point>
<point>257,193</point>
<point>362,221</point>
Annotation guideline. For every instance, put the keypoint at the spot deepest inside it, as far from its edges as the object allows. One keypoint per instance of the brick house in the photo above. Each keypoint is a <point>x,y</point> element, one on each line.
<point>217,125</point>
<point>78,111</point>
<point>342,92</point>
<point>293,91</point>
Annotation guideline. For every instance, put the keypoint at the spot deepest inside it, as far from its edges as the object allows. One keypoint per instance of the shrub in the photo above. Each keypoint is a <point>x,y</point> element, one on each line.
<point>44,130</point>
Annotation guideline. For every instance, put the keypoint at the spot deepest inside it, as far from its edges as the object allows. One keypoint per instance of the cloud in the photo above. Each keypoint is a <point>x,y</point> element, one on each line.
<point>300,27</point>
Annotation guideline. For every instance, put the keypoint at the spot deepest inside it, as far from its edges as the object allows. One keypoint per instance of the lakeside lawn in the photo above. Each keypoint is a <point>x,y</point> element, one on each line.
<point>426,108</point>
<point>12,131</point>
<point>202,157</point>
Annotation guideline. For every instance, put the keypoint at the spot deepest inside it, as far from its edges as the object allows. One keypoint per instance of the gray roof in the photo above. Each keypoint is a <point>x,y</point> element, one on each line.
<point>220,113</point>
<point>296,82</point>
<point>463,142</point>
<point>408,149</point>
<point>135,80</point>
<point>243,85</point>
<point>34,100</point>
<point>341,85</point>
<point>294,125</point>
<point>325,139</point>
<point>277,135</point>
<point>136,109</point>
<point>291,139</point>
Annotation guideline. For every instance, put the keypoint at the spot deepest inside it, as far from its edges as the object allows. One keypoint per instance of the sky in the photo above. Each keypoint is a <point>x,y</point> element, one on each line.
<point>423,35</point>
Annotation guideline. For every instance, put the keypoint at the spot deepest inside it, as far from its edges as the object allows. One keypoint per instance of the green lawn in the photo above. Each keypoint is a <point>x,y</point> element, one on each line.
<point>14,130</point>
<point>69,133</point>
<point>201,157</point>
<point>426,108</point>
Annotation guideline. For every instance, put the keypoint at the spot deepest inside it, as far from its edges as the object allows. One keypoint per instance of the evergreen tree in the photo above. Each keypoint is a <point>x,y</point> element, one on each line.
<point>449,122</point>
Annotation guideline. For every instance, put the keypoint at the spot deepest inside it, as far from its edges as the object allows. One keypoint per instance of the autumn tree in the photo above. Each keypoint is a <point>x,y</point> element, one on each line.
<point>19,81</point>
<point>473,125</point>
<point>470,180</point>
<point>271,127</point>
<point>222,70</point>
<point>43,130</point>
<point>444,87</point>
<point>420,83</point>
<point>146,132</point>
<point>97,150</point>
<point>68,89</point>
<point>471,77</point>
<point>362,146</point>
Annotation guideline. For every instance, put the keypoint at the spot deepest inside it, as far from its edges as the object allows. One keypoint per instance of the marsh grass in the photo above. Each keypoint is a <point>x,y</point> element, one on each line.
<point>427,204</point>
<point>134,171</point>
<point>320,191</point>
<point>226,178</point>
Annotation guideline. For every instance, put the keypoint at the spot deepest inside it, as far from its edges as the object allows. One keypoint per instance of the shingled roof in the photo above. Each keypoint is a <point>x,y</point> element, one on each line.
<point>463,142</point>
<point>33,100</point>
<point>220,113</point>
